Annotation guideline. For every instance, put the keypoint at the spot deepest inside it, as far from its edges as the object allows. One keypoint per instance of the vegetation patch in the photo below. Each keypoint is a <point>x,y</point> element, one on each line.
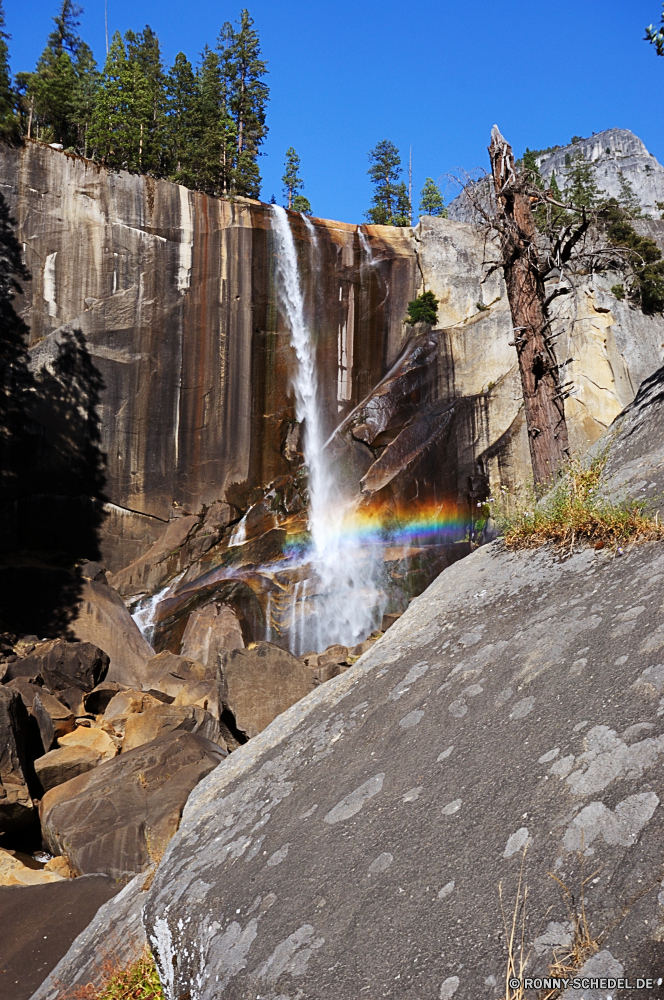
<point>423,309</point>
<point>575,510</point>
<point>138,982</point>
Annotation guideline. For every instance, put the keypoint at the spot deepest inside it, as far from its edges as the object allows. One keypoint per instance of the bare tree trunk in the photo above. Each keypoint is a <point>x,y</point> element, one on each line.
<point>542,397</point>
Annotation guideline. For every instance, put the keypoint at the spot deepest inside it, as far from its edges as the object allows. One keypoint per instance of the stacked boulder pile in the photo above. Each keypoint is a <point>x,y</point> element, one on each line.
<point>96,772</point>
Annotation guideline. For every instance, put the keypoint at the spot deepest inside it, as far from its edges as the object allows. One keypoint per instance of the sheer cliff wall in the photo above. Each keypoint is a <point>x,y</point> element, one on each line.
<point>175,295</point>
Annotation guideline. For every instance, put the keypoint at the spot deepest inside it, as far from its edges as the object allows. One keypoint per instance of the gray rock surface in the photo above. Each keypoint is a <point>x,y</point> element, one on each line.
<point>119,816</point>
<point>114,935</point>
<point>518,704</point>
<point>614,151</point>
<point>39,924</point>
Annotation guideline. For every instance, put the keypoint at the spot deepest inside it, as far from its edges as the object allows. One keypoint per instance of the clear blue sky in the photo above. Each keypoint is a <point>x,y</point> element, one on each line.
<point>432,75</point>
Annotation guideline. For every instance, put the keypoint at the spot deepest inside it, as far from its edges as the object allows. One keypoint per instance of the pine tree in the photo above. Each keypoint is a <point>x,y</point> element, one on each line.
<point>58,96</point>
<point>242,69</point>
<point>118,128</point>
<point>627,197</point>
<point>143,52</point>
<point>301,205</point>
<point>431,199</point>
<point>9,123</point>
<point>581,187</point>
<point>292,183</point>
<point>183,122</point>
<point>390,205</point>
<point>213,157</point>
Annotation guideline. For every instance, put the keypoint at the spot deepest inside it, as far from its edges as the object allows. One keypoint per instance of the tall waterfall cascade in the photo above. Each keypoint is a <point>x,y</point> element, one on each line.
<point>346,574</point>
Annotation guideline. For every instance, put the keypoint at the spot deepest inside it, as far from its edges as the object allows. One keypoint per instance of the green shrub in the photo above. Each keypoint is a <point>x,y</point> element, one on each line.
<point>424,309</point>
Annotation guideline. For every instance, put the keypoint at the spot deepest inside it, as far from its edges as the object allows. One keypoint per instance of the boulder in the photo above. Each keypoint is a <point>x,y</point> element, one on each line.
<point>167,672</point>
<point>102,619</point>
<point>39,924</point>
<point>389,620</point>
<point>116,817</point>
<point>209,629</point>
<point>15,871</point>
<point>127,703</point>
<point>58,766</point>
<point>115,937</point>
<point>205,694</point>
<point>146,726</point>
<point>60,665</point>
<point>16,808</point>
<point>97,701</point>
<point>27,690</point>
<point>74,698</point>
<point>336,654</point>
<point>260,683</point>
<point>93,739</point>
<point>61,719</point>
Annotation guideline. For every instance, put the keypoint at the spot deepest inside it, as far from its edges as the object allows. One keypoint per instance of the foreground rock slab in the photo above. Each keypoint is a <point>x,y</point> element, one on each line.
<point>519,701</point>
<point>118,817</point>
<point>39,924</point>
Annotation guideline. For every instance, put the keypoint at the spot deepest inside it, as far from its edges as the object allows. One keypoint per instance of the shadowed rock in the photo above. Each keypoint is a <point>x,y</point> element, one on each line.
<point>16,808</point>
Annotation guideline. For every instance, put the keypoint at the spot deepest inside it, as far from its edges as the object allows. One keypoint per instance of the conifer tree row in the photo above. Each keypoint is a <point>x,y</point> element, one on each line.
<point>202,126</point>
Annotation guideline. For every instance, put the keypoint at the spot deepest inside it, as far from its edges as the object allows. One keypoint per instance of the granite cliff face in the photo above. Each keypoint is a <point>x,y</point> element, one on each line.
<point>176,298</point>
<point>614,152</point>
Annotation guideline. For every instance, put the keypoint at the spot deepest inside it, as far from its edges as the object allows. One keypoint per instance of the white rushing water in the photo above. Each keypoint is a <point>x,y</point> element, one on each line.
<point>347,595</point>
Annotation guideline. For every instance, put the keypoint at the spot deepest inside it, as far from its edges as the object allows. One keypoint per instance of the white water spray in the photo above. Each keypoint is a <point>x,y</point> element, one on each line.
<point>348,596</point>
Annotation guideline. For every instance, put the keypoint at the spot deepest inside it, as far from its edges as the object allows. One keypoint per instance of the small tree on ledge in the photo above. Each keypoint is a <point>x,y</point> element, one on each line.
<point>423,309</point>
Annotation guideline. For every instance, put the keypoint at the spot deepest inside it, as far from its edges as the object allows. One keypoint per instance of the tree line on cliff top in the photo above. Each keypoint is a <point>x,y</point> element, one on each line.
<point>202,126</point>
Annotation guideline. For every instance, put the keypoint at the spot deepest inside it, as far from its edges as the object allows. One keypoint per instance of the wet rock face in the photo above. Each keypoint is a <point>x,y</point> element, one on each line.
<point>518,703</point>
<point>173,293</point>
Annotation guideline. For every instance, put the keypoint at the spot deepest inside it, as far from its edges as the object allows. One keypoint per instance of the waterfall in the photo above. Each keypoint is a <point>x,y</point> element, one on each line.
<point>348,597</point>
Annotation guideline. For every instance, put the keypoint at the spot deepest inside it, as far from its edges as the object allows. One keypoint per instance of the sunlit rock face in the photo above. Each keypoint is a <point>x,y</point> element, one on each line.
<point>179,300</point>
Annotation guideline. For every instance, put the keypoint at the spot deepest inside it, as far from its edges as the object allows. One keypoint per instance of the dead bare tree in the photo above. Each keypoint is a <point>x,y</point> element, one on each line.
<point>543,394</point>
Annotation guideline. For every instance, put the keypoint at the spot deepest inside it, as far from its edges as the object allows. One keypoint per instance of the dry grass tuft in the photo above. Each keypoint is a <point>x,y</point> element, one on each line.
<point>139,982</point>
<point>574,511</point>
<point>565,965</point>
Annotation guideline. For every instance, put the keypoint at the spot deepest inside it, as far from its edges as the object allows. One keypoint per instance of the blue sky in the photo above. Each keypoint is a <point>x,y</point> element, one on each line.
<point>431,75</point>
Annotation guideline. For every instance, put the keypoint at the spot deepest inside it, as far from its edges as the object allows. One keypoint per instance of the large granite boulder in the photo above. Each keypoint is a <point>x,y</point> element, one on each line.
<point>167,673</point>
<point>118,817</point>
<point>260,683</point>
<point>103,620</point>
<point>58,766</point>
<point>16,808</point>
<point>146,726</point>
<point>39,924</point>
<point>509,726</point>
<point>61,665</point>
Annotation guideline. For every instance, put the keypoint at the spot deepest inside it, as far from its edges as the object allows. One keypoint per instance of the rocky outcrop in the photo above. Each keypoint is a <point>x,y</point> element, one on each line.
<point>614,152</point>
<point>120,816</point>
<point>516,704</point>
<point>102,619</point>
<point>260,683</point>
